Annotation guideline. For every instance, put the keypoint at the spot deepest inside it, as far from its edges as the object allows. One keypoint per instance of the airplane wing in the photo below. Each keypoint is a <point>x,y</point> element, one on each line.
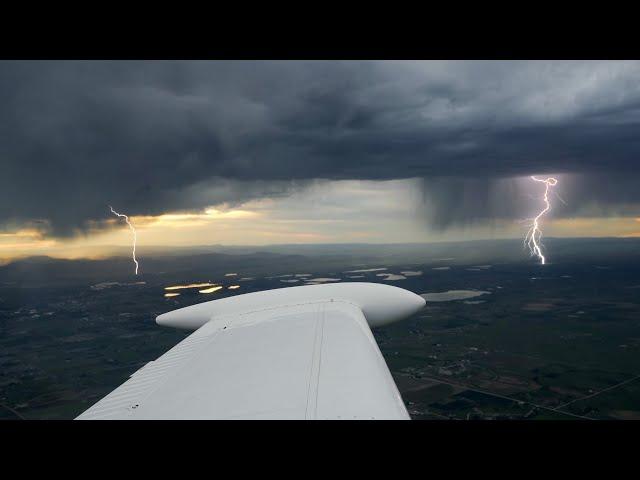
<point>291,353</point>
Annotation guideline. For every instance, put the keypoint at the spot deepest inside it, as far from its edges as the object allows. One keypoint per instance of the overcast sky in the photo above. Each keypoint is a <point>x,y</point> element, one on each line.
<point>442,146</point>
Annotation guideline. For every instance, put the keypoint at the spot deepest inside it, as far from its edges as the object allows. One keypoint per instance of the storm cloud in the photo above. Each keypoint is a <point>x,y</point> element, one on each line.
<point>149,137</point>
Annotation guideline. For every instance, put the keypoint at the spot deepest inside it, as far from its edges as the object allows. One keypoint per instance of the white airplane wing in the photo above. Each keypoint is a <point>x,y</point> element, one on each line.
<point>291,353</point>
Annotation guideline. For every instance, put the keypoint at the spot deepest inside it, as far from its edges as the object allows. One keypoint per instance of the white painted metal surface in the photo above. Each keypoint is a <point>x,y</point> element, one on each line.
<point>381,304</point>
<point>313,358</point>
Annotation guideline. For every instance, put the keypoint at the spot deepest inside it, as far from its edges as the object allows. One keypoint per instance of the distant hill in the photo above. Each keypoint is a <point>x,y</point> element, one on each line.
<point>212,261</point>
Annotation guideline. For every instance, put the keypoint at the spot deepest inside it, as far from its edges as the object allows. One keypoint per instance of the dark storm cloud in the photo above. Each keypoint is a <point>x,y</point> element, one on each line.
<point>152,136</point>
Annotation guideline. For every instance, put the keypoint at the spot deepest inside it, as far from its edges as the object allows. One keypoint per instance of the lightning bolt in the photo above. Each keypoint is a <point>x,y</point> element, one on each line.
<point>534,234</point>
<point>135,236</point>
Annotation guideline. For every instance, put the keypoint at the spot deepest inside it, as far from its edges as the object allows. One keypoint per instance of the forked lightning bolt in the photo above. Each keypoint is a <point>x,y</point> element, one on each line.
<point>135,236</point>
<point>532,239</point>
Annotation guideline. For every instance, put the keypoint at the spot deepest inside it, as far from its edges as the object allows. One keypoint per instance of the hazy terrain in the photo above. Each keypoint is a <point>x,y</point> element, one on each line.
<point>500,337</point>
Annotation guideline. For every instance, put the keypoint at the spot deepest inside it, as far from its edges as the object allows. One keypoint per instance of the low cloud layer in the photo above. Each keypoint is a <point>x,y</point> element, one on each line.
<point>149,137</point>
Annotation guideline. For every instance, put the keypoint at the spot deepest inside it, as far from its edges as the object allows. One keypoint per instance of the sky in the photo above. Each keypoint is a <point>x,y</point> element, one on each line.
<point>268,152</point>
